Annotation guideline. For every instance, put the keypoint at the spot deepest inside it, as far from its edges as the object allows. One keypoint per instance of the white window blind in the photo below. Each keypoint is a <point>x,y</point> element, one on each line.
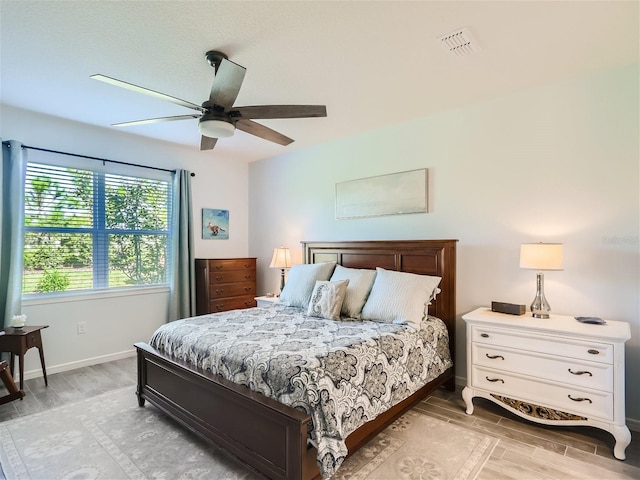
<point>91,230</point>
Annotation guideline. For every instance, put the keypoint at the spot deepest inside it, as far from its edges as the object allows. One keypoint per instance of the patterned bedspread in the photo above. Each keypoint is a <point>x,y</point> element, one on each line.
<point>342,373</point>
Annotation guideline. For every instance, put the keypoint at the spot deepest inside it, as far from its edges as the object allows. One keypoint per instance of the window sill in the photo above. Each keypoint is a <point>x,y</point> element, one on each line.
<point>93,295</point>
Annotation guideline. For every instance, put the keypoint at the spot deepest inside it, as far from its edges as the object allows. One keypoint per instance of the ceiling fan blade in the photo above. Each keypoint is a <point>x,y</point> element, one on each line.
<point>226,84</point>
<point>281,111</point>
<point>154,120</point>
<point>207,143</point>
<point>261,131</point>
<point>146,91</point>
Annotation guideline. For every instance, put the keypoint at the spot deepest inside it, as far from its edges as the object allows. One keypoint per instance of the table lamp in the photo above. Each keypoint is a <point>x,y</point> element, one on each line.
<point>281,259</point>
<point>541,256</point>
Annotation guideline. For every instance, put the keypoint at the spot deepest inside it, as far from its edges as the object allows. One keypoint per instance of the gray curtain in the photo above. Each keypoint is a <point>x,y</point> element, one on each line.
<point>182,300</point>
<point>12,179</point>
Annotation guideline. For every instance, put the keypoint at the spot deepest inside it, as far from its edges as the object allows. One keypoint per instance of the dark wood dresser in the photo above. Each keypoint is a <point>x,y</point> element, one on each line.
<point>225,284</point>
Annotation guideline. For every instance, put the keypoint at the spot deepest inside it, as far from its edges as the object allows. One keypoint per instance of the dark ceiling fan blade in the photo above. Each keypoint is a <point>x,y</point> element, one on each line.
<point>226,84</point>
<point>155,120</point>
<point>146,91</point>
<point>261,131</point>
<point>281,111</point>
<point>207,143</point>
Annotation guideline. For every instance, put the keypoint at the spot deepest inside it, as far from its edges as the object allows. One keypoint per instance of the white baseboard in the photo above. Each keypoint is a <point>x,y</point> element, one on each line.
<point>632,423</point>
<point>64,367</point>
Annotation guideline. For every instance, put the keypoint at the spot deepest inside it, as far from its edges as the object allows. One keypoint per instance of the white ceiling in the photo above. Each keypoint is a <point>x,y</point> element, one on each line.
<point>373,64</point>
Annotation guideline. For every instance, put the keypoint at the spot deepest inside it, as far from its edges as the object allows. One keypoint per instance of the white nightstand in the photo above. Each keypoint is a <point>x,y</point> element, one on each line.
<point>555,371</point>
<point>266,301</point>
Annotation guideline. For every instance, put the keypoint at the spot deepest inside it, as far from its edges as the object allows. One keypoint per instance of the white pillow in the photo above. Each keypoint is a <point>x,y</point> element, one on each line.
<point>300,283</point>
<point>326,299</point>
<point>399,297</point>
<point>360,283</point>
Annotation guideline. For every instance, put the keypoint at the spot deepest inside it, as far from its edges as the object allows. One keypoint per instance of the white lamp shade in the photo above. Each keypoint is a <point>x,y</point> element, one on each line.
<point>541,256</point>
<point>216,128</point>
<point>281,258</point>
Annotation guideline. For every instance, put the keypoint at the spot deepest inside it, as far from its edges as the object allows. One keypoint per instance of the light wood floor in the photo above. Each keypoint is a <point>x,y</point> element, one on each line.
<point>525,450</point>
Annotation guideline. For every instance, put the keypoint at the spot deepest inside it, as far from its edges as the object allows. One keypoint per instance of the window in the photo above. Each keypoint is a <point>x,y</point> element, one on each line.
<point>91,230</point>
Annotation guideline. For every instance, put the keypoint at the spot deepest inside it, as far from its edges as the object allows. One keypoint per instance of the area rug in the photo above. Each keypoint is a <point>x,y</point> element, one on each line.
<point>110,437</point>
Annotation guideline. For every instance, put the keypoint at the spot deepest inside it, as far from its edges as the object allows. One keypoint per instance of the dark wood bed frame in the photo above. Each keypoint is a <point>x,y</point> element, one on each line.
<point>268,437</point>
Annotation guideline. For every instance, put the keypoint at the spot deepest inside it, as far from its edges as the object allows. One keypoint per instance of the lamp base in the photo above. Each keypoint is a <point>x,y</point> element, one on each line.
<point>540,308</point>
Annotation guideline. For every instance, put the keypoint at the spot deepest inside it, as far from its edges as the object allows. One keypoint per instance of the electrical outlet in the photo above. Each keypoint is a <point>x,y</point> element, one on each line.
<point>82,328</point>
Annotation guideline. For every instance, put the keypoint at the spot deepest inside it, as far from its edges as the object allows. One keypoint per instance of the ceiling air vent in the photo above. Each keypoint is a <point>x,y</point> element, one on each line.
<point>459,42</point>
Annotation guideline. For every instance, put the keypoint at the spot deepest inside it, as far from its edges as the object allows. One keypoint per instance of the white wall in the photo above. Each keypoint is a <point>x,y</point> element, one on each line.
<point>116,322</point>
<point>554,164</point>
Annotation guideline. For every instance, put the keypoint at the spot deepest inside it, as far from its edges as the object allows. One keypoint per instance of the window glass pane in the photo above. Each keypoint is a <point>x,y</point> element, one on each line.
<point>58,197</point>
<point>135,203</point>
<point>57,262</point>
<point>137,260</point>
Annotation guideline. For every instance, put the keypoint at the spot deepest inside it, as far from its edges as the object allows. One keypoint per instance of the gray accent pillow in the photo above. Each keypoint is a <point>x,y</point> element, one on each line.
<point>399,297</point>
<point>326,299</point>
<point>360,283</point>
<point>300,282</point>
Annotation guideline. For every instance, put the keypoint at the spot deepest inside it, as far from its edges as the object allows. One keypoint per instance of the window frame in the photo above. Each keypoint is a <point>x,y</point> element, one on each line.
<point>100,233</point>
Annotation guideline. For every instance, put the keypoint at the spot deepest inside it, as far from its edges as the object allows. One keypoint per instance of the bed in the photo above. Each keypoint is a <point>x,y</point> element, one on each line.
<point>270,437</point>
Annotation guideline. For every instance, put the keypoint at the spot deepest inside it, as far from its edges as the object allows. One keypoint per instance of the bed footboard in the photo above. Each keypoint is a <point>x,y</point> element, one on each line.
<point>267,436</point>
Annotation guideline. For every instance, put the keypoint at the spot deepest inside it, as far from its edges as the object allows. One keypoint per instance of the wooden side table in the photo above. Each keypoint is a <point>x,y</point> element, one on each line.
<point>17,341</point>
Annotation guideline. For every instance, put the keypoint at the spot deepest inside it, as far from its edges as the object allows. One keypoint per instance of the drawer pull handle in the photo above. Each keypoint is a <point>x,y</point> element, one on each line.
<point>484,335</point>
<point>580,399</point>
<point>493,357</point>
<point>219,277</point>
<point>493,380</point>
<point>593,352</point>
<point>581,372</point>
<point>247,289</point>
<point>219,267</point>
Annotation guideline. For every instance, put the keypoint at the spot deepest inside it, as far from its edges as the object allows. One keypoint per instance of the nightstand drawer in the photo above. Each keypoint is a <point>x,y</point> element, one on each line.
<point>598,376</point>
<point>589,403</point>
<point>536,342</point>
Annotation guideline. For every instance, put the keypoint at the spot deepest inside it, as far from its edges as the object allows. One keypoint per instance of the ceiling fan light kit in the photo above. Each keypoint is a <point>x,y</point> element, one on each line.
<point>216,128</point>
<point>217,116</point>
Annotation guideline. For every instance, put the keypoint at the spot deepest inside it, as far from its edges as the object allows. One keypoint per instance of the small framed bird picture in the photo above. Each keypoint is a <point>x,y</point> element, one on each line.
<point>215,224</point>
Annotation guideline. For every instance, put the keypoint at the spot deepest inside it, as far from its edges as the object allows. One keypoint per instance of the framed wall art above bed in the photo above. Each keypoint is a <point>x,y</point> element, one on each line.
<point>270,437</point>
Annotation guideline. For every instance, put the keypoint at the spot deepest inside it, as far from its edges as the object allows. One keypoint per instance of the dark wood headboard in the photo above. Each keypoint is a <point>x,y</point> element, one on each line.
<point>424,257</point>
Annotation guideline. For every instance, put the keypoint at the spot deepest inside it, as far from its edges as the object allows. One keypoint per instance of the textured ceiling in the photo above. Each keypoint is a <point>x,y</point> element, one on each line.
<point>374,64</point>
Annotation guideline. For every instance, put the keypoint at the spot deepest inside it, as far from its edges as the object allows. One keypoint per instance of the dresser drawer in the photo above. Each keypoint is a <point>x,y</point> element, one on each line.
<point>223,265</point>
<point>589,403</point>
<point>536,342</point>
<point>231,303</point>
<point>232,276</point>
<point>223,290</point>
<point>598,376</point>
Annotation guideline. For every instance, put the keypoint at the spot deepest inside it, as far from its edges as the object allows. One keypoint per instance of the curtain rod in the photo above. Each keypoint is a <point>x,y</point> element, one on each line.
<point>28,147</point>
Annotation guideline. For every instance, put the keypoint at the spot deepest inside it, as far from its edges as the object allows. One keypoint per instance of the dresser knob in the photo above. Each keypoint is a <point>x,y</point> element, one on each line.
<point>219,277</point>
<point>218,267</point>
<point>493,380</point>
<point>493,357</point>
<point>581,372</point>
<point>484,335</point>
<point>593,352</point>
<point>580,399</point>
<point>247,289</point>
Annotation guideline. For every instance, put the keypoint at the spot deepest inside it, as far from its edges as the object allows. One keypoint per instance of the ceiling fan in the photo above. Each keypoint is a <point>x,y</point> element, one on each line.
<point>218,118</point>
